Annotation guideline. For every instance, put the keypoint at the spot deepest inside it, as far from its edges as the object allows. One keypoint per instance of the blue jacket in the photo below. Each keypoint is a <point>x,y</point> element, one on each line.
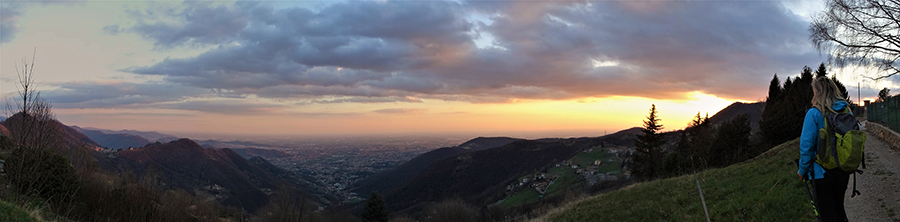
<point>809,138</point>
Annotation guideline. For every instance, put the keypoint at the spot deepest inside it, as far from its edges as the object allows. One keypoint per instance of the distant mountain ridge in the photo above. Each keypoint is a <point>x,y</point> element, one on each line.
<point>114,140</point>
<point>152,136</point>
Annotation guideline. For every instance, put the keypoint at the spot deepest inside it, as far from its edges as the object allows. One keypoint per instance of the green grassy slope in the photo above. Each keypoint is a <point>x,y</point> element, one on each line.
<point>568,179</point>
<point>765,188</point>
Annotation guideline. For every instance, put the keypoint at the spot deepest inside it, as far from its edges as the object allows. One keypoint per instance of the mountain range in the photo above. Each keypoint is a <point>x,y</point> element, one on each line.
<point>113,140</point>
<point>152,136</point>
<point>219,174</point>
<point>216,174</point>
<point>477,171</point>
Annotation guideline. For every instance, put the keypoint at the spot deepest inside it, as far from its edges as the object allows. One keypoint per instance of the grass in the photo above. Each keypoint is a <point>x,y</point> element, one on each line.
<point>762,189</point>
<point>522,197</point>
<point>567,176</point>
<point>12,213</point>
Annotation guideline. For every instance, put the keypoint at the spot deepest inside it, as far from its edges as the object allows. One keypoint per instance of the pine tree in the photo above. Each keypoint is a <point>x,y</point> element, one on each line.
<point>775,90</point>
<point>768,123</point>
<point>732,141</point>
<point>648,155</point>
<point>375,210</point>
<point>782,119</point>
<point>842,89</point>
<point>821,71</point>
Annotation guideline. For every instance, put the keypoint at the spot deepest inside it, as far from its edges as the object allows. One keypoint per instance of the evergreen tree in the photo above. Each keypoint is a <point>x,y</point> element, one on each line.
<point>648,155</point>
<point>375,210</point>
<point>821,71</point>
<point>842,89</point>
<point>732,142</point>
<point>787,83</point>
<point>771,118</point>
<point>775,89</point>
<point>782,119</point>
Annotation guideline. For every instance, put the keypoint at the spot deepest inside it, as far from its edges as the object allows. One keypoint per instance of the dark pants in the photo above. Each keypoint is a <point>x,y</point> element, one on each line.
<point>830,195</point>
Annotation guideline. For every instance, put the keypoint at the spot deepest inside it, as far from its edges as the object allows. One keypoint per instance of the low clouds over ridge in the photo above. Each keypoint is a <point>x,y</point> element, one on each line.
<point>378,51</point>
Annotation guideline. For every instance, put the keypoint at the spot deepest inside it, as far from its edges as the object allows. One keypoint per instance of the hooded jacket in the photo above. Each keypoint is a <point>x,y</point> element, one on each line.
<point>809,138</point>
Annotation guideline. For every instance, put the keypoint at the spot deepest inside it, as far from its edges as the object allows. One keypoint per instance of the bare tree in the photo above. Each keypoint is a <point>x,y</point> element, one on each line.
<point>35,164</point>
<point>860,32</point>
<point>31,122</point>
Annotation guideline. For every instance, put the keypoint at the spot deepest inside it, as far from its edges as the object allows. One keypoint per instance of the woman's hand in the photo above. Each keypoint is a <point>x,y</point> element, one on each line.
<point>800,176</point>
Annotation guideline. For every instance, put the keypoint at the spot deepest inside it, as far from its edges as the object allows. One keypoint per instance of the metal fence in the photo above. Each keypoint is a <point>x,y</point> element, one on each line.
<point>886,113</point>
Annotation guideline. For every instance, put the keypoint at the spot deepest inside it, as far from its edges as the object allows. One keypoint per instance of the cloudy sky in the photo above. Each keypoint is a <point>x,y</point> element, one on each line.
<point>334,67</point>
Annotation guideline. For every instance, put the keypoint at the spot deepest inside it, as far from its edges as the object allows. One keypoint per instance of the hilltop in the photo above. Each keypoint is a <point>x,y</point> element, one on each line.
<point>760,189</point>
<point>69,137</point>
<point>391,179</point>
<point>753,110</point>
<point>220,174</point>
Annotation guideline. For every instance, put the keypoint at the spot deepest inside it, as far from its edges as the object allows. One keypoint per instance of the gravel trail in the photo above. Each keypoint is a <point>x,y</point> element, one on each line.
<point>880,185</point>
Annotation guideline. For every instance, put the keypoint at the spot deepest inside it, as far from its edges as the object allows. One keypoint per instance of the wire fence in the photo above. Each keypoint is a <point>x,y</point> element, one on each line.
<point>886,113</point>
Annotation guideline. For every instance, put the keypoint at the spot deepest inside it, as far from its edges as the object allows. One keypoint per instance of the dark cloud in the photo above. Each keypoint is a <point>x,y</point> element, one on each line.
<point>9,22</point>
<point>89,94</point>
<point>357,99</point>
<point>232,107</point>
<point>200,23</point>
<point>388,51</point>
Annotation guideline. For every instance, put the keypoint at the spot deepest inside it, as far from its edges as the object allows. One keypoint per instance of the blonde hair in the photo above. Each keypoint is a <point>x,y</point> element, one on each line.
<point>825,93</point>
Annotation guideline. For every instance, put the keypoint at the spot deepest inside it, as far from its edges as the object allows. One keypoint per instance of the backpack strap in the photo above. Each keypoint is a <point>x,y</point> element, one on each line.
<point>832,137</point>
<point>855,191</point>
<point>863,163</point>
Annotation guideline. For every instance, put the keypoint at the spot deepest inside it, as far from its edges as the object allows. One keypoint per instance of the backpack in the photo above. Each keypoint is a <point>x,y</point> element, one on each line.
<point>841,144</point>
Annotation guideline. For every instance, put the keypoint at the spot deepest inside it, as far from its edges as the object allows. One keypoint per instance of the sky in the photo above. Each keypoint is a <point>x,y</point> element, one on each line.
<point>370,67</point>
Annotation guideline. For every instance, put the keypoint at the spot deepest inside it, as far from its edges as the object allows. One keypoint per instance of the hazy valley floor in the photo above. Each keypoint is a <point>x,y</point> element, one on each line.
<point>880,185</point>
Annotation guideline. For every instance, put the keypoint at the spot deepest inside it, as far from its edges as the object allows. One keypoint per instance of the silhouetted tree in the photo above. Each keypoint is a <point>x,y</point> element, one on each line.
<point>883,95</point>
<point>861,32</point>
<point>648,156</point>
<point>775,89</point>
<point>376,209</point>
<point>732,142</point>
<point>783,116</point>
<point>782,119</point>
<point>821,71</point>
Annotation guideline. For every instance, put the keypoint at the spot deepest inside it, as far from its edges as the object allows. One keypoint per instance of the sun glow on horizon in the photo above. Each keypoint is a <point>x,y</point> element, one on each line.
<point>584,115</point>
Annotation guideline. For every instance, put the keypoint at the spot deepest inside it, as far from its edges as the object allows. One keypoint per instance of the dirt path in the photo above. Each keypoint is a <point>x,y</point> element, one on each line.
<point>880,185</point>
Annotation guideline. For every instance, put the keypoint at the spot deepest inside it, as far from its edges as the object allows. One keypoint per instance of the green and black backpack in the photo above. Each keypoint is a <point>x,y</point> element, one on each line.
<point>841,144</point>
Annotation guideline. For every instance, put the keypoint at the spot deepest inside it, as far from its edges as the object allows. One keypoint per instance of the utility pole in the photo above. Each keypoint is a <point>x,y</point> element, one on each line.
<point>858,94</point>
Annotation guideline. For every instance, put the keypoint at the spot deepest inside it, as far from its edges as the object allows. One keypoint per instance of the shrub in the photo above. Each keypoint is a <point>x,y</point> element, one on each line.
<point>41,173</point>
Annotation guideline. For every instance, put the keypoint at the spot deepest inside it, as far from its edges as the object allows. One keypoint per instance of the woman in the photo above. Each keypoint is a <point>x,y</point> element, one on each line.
<point>830,184</point>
